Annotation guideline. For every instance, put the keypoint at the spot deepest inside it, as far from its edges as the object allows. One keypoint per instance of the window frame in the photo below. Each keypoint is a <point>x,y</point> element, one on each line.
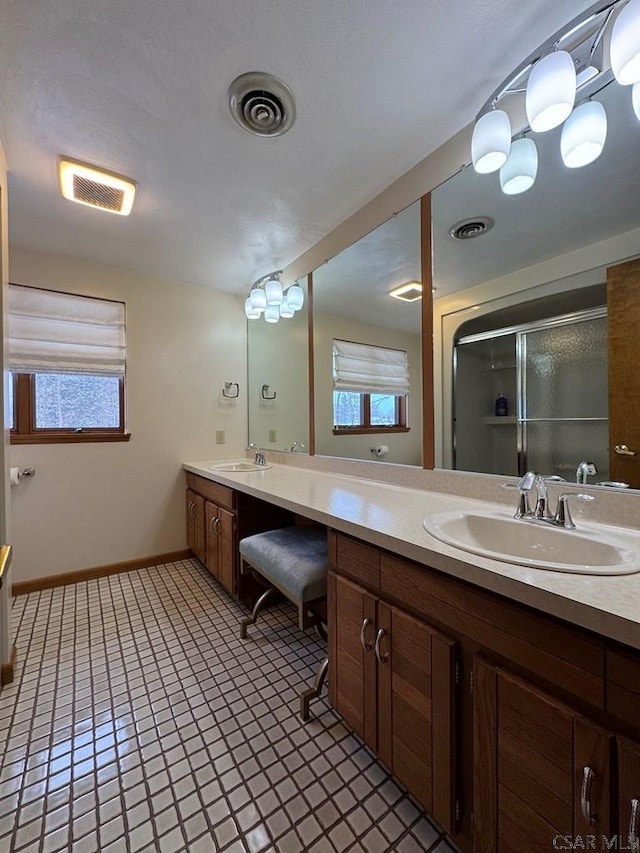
<point>366,427</point>
<point>24,412</point>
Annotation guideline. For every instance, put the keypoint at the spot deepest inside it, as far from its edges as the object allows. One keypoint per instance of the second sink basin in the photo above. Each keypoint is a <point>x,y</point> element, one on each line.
<point>237,465</point>
<point>500,537</point>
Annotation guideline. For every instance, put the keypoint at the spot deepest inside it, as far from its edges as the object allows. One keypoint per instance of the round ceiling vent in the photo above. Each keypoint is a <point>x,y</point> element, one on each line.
<point>470,228</point>
<point>261,104</point>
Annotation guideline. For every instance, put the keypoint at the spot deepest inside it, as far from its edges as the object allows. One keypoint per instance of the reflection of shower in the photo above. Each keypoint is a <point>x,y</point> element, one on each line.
<point>554,375</point>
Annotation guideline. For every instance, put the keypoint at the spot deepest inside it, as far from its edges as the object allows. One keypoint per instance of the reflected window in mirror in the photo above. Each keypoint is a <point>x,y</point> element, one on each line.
<point>370,388</point>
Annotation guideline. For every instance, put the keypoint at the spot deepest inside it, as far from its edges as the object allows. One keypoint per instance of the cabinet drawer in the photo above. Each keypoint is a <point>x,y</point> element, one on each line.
<point>560,654</point>
<point>623,685</point>
<point>221,495</point>
<point>356,560</point>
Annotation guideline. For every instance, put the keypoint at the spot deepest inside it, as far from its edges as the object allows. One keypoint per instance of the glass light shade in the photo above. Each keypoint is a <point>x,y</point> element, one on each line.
<point>272,313</point>
<point>258,299</point>
<point>273,290</point>
<point>491,142</point>
<point>583,135</point>
<point>625,45</point>
<point>295,297</point>
<point>519,172</point>
<point>551,91</point>
<point>251,312</point>
<point>286,310</point>
<point>635,99</point>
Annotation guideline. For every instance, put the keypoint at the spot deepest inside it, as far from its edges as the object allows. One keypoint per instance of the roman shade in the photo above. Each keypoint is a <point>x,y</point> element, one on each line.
<point>51,332</point>
<point>369,369</point>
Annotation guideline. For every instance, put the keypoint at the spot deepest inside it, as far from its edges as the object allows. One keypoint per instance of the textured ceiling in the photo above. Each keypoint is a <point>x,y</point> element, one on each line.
<point>140,88</point>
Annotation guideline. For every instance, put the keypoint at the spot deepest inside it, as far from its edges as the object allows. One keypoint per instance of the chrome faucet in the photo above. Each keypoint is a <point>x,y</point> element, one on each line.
<point>297,446</point>
<point>541,512</point>
<point>259,458</point>
<point>584,470</point>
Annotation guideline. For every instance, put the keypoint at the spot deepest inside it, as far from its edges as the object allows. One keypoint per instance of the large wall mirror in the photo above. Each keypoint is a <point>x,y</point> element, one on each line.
<point>352,306</point>
<point>534,358</point>
<point>278,381</point>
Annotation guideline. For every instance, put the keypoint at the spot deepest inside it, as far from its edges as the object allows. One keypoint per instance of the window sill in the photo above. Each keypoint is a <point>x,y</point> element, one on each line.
<point>377,430</point>
<point>68,437</point>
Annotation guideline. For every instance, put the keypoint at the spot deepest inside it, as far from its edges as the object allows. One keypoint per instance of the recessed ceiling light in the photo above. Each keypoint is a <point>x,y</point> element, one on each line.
<point>409,292</point>
<point>95,187</point>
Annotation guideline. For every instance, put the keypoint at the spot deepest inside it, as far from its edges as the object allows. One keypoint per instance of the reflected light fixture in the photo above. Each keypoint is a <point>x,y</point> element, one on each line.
<point>95,187</point>
<point>519,172</point>
<point>268,298</point>
<point>624,49</point>
<point>574,58</point>
<point>409,292</point>
<point>491,142</point>
<point>551,91</point>
<point>583,135</point>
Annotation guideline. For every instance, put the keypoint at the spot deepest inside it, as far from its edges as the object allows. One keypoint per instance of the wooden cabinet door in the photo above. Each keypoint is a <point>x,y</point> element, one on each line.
<point>531,754</point>
<point>197,532</point>
<point>353,666</point>
<point>416,709</point>
<point>212,539</point>
<point>629,793</point>
<point>227,549</point>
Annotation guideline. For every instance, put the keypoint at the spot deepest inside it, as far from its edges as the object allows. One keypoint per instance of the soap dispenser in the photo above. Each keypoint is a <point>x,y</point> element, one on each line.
<point>502,406</point>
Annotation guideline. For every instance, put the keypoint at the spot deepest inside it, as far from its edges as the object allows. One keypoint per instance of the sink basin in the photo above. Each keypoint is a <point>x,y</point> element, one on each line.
<point>237,466</point>
<point>593,550</point>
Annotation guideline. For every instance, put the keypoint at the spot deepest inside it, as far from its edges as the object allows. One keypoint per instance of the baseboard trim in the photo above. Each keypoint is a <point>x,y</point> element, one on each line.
<point>7,670</point>
<point>24,587</point>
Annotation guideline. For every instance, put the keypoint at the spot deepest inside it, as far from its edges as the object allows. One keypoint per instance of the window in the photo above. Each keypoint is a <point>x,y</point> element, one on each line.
<point>67,360</point>
<point>370,388</point>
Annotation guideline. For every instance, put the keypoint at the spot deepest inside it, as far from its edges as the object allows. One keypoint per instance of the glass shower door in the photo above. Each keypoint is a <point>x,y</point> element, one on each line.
<point>563,405</point>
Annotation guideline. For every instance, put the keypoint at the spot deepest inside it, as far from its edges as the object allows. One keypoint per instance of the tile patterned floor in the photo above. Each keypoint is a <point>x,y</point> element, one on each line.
<point>139,722</point>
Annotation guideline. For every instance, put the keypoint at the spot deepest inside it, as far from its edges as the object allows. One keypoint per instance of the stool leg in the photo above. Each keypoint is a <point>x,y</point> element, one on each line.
<point>313,692</point>
<point>257,607</point>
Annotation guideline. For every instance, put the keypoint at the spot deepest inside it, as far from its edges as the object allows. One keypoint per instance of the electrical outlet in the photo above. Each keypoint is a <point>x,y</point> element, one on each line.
<point>272,436</point>
<point>220,436</point>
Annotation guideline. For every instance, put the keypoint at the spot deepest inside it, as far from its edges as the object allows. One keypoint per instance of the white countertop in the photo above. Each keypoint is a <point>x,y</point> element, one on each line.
<point>391,516</point>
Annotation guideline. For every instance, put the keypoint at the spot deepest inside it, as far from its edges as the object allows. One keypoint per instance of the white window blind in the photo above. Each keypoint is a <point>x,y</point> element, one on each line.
<point>51,332</point>
<point>365,368</point>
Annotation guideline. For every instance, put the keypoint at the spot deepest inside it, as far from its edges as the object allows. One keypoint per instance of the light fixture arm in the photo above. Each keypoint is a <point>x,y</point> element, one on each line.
<point>268,277</point>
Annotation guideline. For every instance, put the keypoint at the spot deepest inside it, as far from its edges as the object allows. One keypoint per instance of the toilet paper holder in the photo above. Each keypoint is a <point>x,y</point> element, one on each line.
<point>27,472</point>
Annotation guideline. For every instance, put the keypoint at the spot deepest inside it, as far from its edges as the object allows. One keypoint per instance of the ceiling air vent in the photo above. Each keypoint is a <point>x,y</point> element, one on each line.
<point>261,104</point>
<point>95,187</point>
<point>470,228</point>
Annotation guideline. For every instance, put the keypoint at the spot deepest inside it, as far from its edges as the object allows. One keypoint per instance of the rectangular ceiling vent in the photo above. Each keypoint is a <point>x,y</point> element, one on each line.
<point>95,187</point>
<point>99,195</point>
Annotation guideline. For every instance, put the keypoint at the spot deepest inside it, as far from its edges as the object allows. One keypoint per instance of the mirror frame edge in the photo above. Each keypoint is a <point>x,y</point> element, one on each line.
<point>428,414</point>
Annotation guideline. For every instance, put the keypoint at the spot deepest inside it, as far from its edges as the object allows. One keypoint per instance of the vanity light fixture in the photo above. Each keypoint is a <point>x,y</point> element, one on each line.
<point>570,62</point>
<point>409,292</point>
<point>95,187</point>
<point>268,298</point>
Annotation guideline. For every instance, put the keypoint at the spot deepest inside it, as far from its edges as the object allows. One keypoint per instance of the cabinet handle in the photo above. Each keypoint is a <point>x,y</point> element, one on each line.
<point>585,795</point>
<point>633,823</point>
<point>190,507</point>
<point>363,635</point>
<point>382,658</point>
<point>217,525</point>
<point>213,525</point>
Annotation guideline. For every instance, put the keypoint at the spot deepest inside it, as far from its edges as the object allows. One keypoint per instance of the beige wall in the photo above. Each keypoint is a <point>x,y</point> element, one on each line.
<point>404,448</point>
<point>97,504</point>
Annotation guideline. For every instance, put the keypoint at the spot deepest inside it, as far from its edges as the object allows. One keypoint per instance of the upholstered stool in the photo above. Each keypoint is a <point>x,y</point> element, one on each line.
<point>292,560</point>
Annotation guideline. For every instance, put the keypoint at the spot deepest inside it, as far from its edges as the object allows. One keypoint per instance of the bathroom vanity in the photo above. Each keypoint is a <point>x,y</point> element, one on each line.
<point>505,698</point>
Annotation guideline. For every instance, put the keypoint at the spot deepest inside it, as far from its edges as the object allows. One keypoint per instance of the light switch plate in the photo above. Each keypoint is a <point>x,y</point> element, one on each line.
<point>220,436</point>
<point>272,436</point>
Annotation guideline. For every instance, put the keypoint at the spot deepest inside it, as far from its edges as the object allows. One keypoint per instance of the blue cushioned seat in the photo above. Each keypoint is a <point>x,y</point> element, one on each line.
<point>293,559</point>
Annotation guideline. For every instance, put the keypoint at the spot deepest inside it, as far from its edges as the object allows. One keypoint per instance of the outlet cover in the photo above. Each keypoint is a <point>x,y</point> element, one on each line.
<point>272,436</point>
<point>220,436</point>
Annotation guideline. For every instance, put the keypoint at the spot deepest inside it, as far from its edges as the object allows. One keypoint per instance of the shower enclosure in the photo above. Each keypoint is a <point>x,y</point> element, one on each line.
<point>553,376</point>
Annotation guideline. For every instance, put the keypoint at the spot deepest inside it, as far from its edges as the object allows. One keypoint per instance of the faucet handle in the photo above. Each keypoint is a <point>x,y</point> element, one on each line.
<point>523,510</point>
<point>563,513</point>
